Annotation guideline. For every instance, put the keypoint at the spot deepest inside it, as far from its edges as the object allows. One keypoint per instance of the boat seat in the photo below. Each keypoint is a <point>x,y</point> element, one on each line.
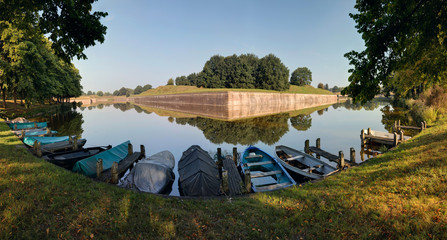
<point>257,163</point>
<point>254,156</point>
<point>265,174</point>
<point>294,158</point>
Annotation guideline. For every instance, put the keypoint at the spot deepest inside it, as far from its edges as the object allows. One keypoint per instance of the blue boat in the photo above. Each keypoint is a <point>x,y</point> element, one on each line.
<point>116,154</point>
<point>27,125</point>
<point>44,140</point>
<point>265,171</point>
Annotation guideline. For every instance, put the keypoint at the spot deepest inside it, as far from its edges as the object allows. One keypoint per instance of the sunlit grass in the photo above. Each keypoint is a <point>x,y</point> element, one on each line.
<point>399,195</point>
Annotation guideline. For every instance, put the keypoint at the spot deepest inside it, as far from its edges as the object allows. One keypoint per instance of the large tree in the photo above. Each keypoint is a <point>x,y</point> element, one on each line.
<point>301,76</point>
<point>399,36</point>
<point>272,74</point>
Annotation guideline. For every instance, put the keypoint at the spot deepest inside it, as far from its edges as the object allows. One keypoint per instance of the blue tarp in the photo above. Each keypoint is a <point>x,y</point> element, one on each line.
<point>115,154</point>
<point>44,140</point>
<point>28,125</point>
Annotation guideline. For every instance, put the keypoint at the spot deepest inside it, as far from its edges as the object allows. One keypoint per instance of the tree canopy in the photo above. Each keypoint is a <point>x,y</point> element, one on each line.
<point>405,46</point>
<point>301,76</point>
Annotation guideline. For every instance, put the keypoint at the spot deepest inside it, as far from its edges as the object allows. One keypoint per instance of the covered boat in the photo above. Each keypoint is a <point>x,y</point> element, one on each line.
<point>116,154</point>
<point>153,174</point>
<point>44,140</point>
<point>265,172</point>
<point>304,164</point>
<point>27,125</point>
<point>68,159</point>
<point>198,172</point>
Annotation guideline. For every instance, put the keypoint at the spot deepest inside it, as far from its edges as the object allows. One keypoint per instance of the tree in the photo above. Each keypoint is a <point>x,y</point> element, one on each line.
<point>89,93</point>
<point>326,86</point>
<point>138,90</point>
<point>335,89</point>
<point>100,93</point>
<point>147,87</point>
<point>181,81</point>
<point>272,74</point>
<point>399,36</point>
<point>170,82</point>
<point>301,76</point>
<point>321,85</point>
<point>70,25</point>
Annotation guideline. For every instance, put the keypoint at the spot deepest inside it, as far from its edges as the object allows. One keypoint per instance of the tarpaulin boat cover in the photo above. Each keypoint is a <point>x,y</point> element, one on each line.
<point>115,154</point>
<point>44,140</point>
<point>198,172</point>
<point>28,125</point>
<point>152,174</point>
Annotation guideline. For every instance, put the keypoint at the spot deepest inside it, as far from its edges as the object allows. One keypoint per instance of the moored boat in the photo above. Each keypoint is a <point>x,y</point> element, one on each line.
<point>153,174</point>
<point>44,140</point>
<point>27,125</point>
<point>68,159</point>
<point>304,164</point>
<point>265,172</point>
<point>198,173</point>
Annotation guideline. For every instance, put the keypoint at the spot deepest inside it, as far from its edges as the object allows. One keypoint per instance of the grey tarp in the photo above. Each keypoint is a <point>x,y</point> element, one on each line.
<point>152,174</point>
<point>198,172</point>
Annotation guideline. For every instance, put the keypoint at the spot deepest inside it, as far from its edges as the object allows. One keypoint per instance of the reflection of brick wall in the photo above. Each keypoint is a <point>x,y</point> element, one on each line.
<point>234,105</point>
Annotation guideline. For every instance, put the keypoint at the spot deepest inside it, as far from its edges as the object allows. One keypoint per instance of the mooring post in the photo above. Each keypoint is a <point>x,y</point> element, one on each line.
<point>35,125</point>
<point>235,155</point>
<point>369,131</point>
<point>318,145</point>
<point>48,131</point>
<point>99,168</point>
<point>75,143</point>
<point>341,160</point>
<point>129,149</point>
<point>396,141</point>
<point>362,136</point>
<point>39,150</point>
<point>395,126</point>
<point>398,124</point>
<point>15,126</point>
<point>306,146</point>
<point>219,161</point>
<point>401,135</point>
<point>22,135</point>
<point>425,124</point>
<point>114,172</point>
<point>352,153</point>
<point>143,151</point>
<point>247,180</point>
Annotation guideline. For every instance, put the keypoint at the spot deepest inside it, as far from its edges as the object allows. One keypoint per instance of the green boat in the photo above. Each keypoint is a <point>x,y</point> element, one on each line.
<point>44,140</point>
<point>116,154</point>
<point>265,172</point>
<point>27,125</point>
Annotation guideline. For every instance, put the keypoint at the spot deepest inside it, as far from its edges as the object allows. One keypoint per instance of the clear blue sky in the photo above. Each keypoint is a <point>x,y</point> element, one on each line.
<point>152,41</point>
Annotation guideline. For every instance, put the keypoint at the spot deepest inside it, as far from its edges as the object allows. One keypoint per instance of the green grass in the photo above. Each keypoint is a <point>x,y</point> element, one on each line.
<point>399,195</point>
<point>192,89</point>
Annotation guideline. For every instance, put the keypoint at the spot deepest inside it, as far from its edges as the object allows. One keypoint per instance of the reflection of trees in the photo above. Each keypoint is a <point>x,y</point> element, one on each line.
<point>391,114</point>
<point>123,106</point>
<point>369,106</point>
<point>301,122</point>
<point>320,112</point>
<point>100,106</point>
<point>140,110</point>
<point>267,129</point>
<point>67,123</point>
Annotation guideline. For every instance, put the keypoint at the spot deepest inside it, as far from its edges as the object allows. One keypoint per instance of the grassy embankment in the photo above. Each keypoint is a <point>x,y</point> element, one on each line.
<point>401,194</point>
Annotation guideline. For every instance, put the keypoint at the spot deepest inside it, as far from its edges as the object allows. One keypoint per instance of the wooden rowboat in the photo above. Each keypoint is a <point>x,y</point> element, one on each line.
<point>68,159</point>
<point>304,164</point>
<point>266,173</point>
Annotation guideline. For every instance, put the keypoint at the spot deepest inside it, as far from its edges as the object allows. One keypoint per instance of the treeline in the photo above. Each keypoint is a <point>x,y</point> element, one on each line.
<point>31,71</point>
<point>122,91</point>
<point>245,71</point>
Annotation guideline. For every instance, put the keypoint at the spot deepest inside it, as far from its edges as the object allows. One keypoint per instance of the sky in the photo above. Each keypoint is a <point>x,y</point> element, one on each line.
<point>148,42</point>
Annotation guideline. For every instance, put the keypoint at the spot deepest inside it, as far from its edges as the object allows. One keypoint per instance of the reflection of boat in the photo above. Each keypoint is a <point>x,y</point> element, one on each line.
<point>37,133</point>
<point>153,174</point>
<point>17,120</point>
<point>266,173</point>
<point>304,164</point>
<point>27,125</point>
<point>116,154</point>
<point>381,137</point>
<point>68,159</point>
<point>198,172</point>
<point>29,132</point>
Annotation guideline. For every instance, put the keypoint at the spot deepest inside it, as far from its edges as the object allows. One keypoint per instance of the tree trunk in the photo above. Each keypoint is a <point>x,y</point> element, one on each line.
<point>14,94</point>
<point>4,97</point>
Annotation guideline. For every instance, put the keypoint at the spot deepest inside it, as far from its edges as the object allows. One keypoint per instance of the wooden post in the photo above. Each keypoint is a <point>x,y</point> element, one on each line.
<point>362,136</point>
<point>99,168</point>
<point>15,126</point>
<point>318,145</point>
<point>48,131</point>
<point>362,154</point>
<point>22,135</point>
<point>352,151</point>
<point>143,151</point>
<point>247,180</point>
<point>369,131</point>
<point>396,141</point>
<point>401,135</point>
<point>425,125</point>
<point>35,125</point>
<point>395,126</point>
<point>235,155</point>
<point>398,124</point>
<point>306,147</point>
<point>341,160</point>
<point>114,172</point>
<point>130,149</point>
<point>38,150</point>
<point>219,161</point>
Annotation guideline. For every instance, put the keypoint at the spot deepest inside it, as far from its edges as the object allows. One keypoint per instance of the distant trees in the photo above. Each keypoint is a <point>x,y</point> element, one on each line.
<point>139,89</point>
<point>243,71</point>
<point>301,76</point>
<point>321,85</point>
<point>100,93</point>
<point>170,82</point>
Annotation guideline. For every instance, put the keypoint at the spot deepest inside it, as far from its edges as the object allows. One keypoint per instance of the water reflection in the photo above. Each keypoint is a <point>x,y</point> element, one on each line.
<point>67,123</point>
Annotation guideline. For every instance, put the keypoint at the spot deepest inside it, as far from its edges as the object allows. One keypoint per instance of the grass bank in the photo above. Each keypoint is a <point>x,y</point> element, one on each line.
<point>399,195</point>
<point>162,90</point>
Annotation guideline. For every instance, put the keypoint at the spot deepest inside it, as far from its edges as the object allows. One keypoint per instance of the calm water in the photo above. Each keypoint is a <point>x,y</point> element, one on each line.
<point>338,126</point>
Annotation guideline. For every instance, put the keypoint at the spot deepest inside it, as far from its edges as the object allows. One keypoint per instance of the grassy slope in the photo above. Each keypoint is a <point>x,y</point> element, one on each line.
<point>401,194</point>
<point>192,89</point>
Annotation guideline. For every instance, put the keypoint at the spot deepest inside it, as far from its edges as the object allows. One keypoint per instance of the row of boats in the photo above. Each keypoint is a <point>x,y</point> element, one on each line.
<point>198,172</point>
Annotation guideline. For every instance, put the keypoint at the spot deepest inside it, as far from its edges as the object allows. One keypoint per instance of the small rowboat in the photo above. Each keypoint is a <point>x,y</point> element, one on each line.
<point>27,125</point>
<point>54,144</point>
<point>44,140</point>
<point>68,159</point>
<point>265,172</point>
<point>304,164</point>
